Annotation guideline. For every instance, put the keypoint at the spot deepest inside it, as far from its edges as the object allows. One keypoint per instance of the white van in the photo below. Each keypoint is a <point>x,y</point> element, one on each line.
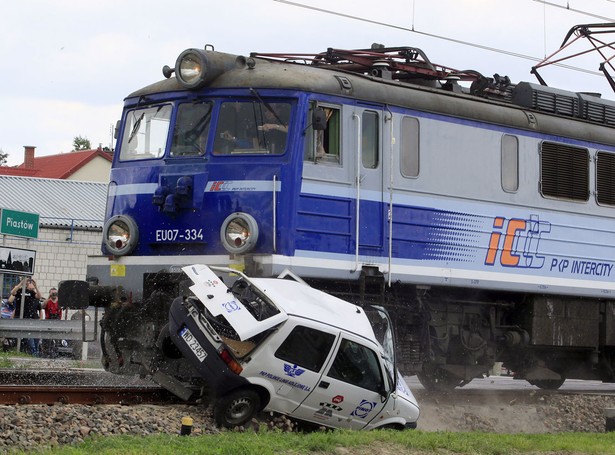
<point>280,345</point>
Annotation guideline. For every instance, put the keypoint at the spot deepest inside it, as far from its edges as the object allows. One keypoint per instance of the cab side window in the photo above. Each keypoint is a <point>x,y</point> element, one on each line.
<point>357,365</point>
<point>306,347</point>
<point>323,146</point>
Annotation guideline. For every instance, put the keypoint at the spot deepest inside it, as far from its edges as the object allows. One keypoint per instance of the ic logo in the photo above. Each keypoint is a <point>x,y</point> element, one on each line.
<point>216,186</point>
<point>516,240</point>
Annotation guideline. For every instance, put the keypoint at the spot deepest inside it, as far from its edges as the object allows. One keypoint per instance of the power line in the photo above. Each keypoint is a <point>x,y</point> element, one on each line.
<point>431,35</point>
<point>567,7</point>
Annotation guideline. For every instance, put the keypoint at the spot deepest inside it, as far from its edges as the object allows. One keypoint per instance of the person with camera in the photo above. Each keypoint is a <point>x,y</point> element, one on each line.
<point>52,310</point>
<point>31,309</point>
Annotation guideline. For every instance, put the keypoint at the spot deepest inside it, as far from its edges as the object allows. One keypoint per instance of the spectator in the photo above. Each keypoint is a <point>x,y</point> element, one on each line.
<point>52,306</point>
<point>31,309</point>
<point>7,311</point>
<point>52,311</point>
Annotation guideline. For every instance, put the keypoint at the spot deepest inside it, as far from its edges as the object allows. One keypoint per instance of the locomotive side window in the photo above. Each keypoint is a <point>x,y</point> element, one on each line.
<point>370,139</point>
<point>564,171</point>
<point>252,127</point>
<point>191,129</point>
<point>510,163</point>
<point>145,133</point>
<point>324,145</point>
<point>410,147</point>
<point>605,178</point>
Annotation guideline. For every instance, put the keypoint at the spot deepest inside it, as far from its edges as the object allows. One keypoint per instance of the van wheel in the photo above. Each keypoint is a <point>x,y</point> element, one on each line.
<point>236,408</point>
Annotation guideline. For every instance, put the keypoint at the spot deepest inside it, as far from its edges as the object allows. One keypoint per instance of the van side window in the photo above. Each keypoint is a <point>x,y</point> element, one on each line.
<point>357,365</point>
<point>306,347</point>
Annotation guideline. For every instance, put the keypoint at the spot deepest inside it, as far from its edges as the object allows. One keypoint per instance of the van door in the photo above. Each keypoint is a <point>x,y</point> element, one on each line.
<point>351,392</point>
<point>292,362</point>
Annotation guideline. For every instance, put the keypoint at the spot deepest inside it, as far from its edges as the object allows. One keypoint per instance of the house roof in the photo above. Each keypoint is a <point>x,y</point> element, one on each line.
<point>60,203</point>
<point>60,166</point>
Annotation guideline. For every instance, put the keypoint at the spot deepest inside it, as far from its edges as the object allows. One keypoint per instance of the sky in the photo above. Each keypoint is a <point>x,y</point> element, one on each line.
<point>67,65</point>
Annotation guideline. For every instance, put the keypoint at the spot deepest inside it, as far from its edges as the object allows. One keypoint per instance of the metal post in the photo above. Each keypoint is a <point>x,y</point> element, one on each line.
<point>609,414</point>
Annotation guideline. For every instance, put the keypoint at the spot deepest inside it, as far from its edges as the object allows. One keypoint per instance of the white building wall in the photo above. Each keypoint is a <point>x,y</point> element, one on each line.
<point>60,254</point>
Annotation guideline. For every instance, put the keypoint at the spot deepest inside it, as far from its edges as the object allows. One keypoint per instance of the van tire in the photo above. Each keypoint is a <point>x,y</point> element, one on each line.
<point>236,408</point>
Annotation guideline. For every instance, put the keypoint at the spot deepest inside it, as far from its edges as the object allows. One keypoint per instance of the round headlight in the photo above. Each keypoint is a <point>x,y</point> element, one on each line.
<point>120,235</point>
<point>239,233</point>
<point>191,68</point>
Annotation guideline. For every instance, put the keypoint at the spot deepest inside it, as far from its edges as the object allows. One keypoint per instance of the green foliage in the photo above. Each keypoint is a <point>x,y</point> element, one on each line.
<point>384,442</point>
<point>3,157</point>
<point>81,143</point>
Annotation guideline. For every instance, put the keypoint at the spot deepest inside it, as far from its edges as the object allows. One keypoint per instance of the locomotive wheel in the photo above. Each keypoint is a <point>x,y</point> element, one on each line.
<point>548,384</point>
<point>437,379</point>
<point>236,408</point>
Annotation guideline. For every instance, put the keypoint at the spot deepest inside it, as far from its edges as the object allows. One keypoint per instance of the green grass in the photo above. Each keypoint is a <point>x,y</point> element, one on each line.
<point>5,358</point>
<point>348,442</point>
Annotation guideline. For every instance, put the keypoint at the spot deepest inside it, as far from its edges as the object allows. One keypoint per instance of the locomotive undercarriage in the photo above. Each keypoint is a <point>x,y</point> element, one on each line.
<point>446,336</point>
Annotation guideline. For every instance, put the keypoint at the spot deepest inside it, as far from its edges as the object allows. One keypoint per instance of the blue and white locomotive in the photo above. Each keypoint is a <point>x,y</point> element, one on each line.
<point>482,215</point>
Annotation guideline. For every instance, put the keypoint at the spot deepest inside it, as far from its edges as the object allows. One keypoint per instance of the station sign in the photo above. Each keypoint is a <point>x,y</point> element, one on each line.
<point>20,224</point>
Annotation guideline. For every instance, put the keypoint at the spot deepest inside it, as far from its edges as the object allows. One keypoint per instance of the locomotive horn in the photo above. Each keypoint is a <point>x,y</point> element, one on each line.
<point>167,71</point>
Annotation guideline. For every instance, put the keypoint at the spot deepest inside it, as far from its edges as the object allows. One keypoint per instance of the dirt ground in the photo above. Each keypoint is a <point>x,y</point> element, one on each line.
<point>516,411</point>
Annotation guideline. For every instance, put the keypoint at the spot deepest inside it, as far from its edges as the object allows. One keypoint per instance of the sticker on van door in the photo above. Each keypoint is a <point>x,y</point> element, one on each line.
<point>364,408</point>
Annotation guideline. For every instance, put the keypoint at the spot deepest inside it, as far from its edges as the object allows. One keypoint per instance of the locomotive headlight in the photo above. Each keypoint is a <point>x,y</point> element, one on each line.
<point>239,233</point>
<point>196,67</point>
<point>191,68</point>
<point>120,235</point>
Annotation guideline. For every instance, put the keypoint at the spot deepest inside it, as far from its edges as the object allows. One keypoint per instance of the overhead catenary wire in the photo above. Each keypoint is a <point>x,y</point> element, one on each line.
<point>578,11</point>
<point>435,36</point>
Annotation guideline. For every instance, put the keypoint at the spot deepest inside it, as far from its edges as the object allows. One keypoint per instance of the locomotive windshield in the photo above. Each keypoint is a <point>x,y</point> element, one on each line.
<point>243,127</point>
<point>252,127</point>
<point>191,129</point>
<point>145,133</point>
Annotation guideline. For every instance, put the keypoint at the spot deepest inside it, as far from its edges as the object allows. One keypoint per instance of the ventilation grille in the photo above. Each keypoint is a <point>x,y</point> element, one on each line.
<point>564,171</point>
<point>605,178</point>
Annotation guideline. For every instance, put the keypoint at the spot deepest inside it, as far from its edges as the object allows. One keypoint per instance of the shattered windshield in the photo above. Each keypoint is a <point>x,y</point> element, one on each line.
<point>383,330</point>
<point>252,127</point>
<point>145,133</point>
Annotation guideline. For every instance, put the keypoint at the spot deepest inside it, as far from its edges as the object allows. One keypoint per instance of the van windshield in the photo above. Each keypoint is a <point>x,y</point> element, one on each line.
<point>383,330</point>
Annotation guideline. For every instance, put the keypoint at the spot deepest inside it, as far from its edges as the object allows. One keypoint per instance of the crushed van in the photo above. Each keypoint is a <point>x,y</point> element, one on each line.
<point>280,345</point>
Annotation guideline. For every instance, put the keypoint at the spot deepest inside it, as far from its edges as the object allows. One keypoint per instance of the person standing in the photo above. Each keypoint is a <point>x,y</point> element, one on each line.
<point>52,306</point>
<point>52,310</point>
<point>31,309</point>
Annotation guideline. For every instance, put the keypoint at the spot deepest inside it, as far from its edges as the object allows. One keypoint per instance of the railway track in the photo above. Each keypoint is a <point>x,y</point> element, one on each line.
<point>66,394</point>
<point>77,386</point>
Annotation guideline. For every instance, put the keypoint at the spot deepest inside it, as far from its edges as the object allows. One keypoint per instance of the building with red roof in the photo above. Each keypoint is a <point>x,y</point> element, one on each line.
<point>85,165</point>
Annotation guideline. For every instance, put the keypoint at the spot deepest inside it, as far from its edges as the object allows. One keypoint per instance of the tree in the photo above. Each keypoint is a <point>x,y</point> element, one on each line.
<point>81,143</point>
<point>3,158</point>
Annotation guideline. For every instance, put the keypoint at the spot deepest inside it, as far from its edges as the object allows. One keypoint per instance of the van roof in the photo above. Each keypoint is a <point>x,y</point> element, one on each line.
<point>300,300</point>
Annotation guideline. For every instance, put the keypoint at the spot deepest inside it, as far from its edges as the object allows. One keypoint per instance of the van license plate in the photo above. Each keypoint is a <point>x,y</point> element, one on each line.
<point>193,344</point>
